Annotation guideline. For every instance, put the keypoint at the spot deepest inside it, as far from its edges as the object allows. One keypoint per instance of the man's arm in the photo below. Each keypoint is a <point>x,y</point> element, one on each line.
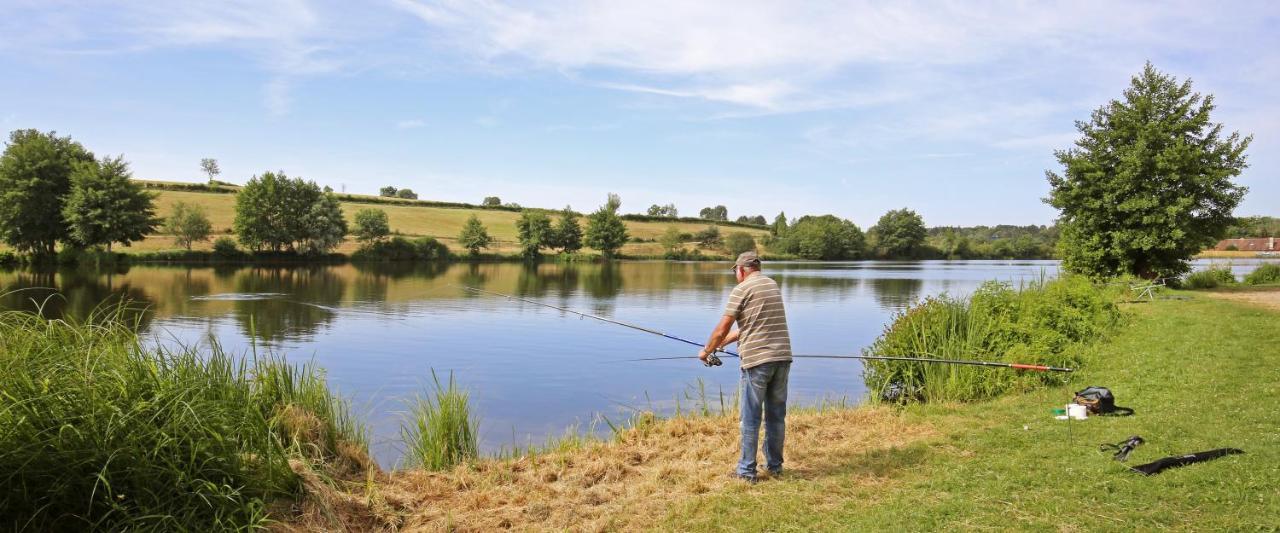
<point>720,336</point>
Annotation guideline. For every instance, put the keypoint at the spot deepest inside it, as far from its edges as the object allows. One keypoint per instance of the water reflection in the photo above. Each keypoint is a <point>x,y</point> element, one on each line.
<point>379,330</point>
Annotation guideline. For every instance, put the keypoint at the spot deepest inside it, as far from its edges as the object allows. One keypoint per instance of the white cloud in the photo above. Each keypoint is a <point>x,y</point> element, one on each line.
<point>410,124</point>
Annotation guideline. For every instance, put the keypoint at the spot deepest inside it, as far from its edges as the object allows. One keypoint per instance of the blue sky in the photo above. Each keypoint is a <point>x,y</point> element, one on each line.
<point>949,108</point>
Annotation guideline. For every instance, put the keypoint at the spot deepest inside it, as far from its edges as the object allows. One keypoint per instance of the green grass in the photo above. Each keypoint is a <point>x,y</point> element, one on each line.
<point>1210,278</point>
<point>1266,274</point>
<point>1201,374</point>
<point>442,431</point>
<point>99,432</point>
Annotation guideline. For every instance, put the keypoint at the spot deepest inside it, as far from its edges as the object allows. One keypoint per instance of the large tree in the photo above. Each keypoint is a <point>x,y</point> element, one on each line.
<point>899,233</point>
<point>105,206</point>
<point>209,166</point>
<point>718,212</point>
<point>35,177</point>
<point>1148,183</point>
<point>371,225</point>
<point>535,232</point>
<point>605,230</point>
<point>275,212</point>
<point>823,237</point>
<point>324,227</point>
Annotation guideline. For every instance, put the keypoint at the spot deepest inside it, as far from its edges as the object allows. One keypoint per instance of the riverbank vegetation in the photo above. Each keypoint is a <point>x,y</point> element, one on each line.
<point>1046,321</point>
<point>102,433</point>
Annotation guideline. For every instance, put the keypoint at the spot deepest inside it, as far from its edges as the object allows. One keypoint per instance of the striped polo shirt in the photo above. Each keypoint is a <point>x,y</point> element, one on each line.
<point>756,304</point>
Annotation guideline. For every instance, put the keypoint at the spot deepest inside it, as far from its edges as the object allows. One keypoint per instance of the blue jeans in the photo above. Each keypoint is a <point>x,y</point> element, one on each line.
<point>764,392</point>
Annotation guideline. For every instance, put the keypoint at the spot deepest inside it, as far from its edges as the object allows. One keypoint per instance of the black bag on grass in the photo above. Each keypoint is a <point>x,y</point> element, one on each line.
<point>1158,466</point>
<point>1100,401</point>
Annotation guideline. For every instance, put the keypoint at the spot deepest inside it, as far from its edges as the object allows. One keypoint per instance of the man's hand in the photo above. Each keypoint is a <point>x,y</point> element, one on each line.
<point>708,358</point>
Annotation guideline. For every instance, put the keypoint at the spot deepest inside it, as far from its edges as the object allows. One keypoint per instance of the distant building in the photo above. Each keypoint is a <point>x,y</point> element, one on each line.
<point>1260,244</point>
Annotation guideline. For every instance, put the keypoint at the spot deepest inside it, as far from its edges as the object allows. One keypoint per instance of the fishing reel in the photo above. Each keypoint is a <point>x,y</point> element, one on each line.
<point>712,360</point>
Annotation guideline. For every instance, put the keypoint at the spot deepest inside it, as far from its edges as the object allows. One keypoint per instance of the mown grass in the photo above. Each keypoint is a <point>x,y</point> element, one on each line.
<point>1044,322</point>
<point>1201,374</point>
<point>100,432</point>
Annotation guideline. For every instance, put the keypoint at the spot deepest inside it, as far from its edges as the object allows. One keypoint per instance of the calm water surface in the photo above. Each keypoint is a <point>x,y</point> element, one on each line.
<point>379,331</point>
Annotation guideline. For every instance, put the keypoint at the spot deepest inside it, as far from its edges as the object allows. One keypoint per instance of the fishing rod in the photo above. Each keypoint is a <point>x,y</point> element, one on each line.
<point>600,318</point>
<point>1017,366</point>
<point>730,353</point>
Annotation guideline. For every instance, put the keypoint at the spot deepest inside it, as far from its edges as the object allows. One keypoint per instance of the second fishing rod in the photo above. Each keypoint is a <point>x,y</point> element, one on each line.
<point>715,361</point>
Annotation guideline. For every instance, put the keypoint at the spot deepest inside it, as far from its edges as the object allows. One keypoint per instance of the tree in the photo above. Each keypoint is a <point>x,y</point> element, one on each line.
<point>605,230</point>
<point>668,211</point>
<point>824,237</point>
<point>738,242</point>
<point>758,220</point>
<point>209,166</point>
<point>407,194</point>
<point>710,237</point>
<point>371,225</point>
<point>568,232</point>
<point>106,207</point>
<point>899,233</point>
<point>491,201</point>
<point>1148,183</point>
<point>35,177</point>
<point>324,227</point>
<point>388,191</point>
<point>277,213</point>
<point>779,225</point>
<point>188,224</point>
<point>718,212</point>
<point>671,239</point>
<point>535,232</point>
<point>474,236</point>
<point>655,210</point>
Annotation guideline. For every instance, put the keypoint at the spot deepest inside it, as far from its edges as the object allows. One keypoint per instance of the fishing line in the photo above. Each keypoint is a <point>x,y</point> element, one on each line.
<point>728,353</point>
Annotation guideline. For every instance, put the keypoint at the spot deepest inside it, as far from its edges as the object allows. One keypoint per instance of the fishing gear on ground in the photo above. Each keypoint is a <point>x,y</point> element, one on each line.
<point>1160,465</point>
<point>1122,448</point>
<point>1100,401</point>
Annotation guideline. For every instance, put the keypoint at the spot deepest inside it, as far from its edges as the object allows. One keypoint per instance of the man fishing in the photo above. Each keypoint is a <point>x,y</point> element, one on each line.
<point>764,347</point>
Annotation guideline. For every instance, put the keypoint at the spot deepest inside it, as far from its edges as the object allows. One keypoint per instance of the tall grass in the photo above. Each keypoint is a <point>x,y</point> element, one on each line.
<point>1265,274</point>
<point>100,432</point>
<point>1210,278</point>
<point>442,431</point>
<point>1044,322</point>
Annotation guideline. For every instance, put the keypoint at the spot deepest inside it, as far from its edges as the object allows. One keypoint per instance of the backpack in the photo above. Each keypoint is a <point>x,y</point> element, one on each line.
<point>1100,401</point>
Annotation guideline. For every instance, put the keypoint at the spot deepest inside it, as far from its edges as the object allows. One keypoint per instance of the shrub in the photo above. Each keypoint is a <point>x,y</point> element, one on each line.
<point>1210,278</point>
<point>371,225</point>
<point>101,432</point>
<point>1040,323</point>
<point>225,247</point>
<point>1264,274</point>
<point>442,433</point>
<point>402,249</point>
<point>8,258</point>
<point>738,242</point>
<point>709,238</point>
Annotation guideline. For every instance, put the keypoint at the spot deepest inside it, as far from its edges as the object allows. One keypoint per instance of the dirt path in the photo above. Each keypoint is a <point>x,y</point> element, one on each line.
<point>1269,299</point>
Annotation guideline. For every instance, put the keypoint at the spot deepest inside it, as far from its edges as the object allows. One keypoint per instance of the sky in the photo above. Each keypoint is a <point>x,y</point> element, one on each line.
<point>952,109</point>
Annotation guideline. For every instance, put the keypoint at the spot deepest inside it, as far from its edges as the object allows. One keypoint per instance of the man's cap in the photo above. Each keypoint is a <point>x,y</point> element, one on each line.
<point>748,259</point>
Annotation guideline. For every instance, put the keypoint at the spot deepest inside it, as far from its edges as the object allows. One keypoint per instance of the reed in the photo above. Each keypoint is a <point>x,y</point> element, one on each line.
<point>98,431</point>
<point>1265,274</point>
<point>1044,322</point>
<point>1210,278</point>
<point>441,431</point>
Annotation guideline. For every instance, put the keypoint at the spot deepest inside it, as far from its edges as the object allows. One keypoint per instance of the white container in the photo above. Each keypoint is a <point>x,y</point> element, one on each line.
<point>1077,411</point>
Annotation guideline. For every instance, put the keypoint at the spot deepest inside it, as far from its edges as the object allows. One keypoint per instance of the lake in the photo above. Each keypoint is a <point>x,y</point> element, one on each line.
<point>380,330</point>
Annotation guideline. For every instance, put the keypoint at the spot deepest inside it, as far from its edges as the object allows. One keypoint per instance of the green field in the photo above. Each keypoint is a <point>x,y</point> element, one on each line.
<point>443,223</point>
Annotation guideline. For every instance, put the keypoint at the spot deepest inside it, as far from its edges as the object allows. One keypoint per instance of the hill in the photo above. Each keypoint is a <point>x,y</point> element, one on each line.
<point>415,218</point>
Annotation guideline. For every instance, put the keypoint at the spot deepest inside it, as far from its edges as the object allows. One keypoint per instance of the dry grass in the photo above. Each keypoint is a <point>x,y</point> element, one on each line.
<point>624,484</point>
<point>1268,297</point>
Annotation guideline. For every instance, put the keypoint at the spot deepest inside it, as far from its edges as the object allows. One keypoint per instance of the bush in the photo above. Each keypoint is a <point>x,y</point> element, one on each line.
<point>709,238</point>
<point>225,247</point>
<point>1265,273</point>
<point>1209,278</point>
<point>402,249</point>
<point>8,258</point>
<point>1040,323</point>
<point>738,242</point>
<point>103,433</point>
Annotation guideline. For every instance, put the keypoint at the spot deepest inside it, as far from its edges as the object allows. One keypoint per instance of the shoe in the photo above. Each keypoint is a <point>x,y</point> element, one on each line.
<point>775,473</point>
<point>744,477</point>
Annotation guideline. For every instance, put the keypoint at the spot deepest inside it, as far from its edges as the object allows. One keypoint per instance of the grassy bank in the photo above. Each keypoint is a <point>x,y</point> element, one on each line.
<point>1200,374</point>
<point>98,432</point>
